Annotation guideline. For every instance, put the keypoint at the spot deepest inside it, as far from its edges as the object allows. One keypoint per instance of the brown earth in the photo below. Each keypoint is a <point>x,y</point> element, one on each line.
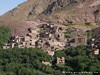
<point>57,11</point>
<point>19,28</point>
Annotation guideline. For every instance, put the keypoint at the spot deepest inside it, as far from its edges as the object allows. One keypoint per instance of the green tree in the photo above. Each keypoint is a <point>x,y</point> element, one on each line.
<point>4,35</point>
<point>60,53</point>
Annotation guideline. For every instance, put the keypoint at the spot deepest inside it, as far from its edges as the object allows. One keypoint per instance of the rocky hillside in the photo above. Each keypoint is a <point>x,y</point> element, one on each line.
<point>58,11</point>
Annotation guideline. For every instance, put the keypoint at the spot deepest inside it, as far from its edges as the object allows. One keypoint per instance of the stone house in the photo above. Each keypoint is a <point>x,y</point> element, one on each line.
<point>60,60</point>
<point>96,52</point>
<point>78,37</point>
<point>51,53</point>
<point>6,46</point>
<point>46,63</point>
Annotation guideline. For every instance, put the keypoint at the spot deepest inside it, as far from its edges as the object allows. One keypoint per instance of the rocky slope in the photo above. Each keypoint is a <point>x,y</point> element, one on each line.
<point>58,11</point>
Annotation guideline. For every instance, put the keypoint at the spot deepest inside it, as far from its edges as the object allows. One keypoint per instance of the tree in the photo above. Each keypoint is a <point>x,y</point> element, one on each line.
<point>60,53</point>
<point>4,35</point>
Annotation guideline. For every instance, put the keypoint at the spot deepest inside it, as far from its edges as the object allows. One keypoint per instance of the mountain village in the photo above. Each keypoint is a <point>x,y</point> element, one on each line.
<point>51,38</point>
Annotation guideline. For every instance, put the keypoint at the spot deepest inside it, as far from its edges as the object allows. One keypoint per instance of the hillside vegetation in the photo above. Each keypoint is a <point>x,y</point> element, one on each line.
<point>28,62</point>
<point>4,35</point>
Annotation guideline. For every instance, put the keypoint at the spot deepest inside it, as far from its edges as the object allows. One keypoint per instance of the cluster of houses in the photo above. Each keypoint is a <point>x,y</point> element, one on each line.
<point>46,36</point>
<point>50,37</point>
<point>23,41</point>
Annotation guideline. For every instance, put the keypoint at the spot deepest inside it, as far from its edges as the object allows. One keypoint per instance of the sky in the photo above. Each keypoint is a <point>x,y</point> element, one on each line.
<point>6,5</point>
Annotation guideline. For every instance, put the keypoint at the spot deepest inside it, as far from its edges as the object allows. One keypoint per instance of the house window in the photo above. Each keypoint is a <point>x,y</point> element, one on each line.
<point>30,43</point>
<point>25,43</point>
<point>79,40</point>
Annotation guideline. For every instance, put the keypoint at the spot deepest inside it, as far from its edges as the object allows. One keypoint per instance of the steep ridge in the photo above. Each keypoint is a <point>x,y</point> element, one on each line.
<point>57,10</point>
